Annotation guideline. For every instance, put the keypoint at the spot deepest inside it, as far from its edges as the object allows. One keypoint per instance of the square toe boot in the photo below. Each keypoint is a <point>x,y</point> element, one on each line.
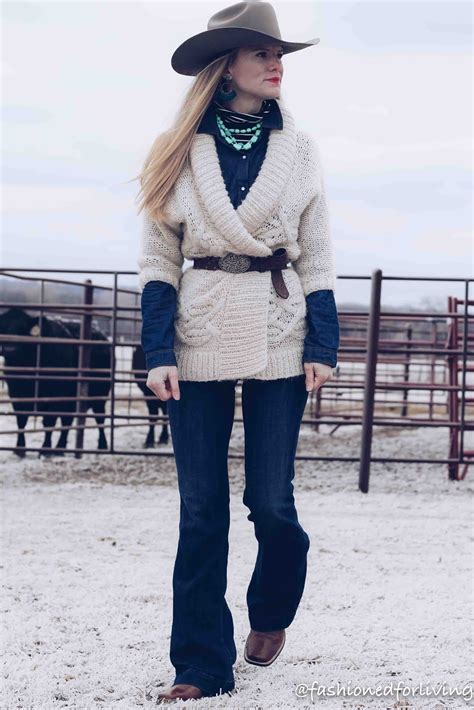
<point>263,647</point>
<point>181,691</point>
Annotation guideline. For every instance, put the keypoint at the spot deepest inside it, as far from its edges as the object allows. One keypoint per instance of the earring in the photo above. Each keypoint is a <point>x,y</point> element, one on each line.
<point>223,93</point>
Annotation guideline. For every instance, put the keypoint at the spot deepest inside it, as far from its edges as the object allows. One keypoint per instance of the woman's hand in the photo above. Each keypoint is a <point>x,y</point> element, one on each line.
<point>317,373</point>
<point>163,381</point>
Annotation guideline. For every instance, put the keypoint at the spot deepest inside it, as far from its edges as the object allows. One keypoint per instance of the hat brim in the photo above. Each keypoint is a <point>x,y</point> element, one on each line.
<point>195,53</point>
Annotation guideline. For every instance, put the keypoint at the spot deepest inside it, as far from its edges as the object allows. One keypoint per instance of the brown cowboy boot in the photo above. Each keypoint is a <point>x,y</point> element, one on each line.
<point>181,691</point>
<point>263,647</point>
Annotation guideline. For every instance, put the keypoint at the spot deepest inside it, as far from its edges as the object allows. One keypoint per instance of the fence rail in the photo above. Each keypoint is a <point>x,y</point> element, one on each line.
<point>424,358</point>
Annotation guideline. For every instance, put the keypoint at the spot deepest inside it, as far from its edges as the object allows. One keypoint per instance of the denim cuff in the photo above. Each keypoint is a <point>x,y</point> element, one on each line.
<point>158,358</point>
<point>313,353</point>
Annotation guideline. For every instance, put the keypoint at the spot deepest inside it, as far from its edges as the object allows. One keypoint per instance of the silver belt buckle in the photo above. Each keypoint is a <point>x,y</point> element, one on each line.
<point>235,263</point>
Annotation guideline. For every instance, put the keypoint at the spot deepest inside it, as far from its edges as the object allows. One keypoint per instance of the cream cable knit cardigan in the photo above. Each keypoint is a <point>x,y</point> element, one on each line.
<point>235,326</point>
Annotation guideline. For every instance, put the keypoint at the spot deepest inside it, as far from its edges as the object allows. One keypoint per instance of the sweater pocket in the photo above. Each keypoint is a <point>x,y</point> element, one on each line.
<point>287,316</point>
<point>200,306</point>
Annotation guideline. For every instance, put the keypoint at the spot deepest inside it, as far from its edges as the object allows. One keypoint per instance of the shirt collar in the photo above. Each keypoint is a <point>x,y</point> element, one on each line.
<point>272,119</point>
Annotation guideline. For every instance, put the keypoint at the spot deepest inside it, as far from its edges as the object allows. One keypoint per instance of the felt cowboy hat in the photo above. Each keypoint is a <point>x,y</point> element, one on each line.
<point>241,24</point>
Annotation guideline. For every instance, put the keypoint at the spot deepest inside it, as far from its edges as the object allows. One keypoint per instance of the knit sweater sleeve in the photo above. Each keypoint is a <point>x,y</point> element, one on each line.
<point>161,258</point>
<point>315,265</point>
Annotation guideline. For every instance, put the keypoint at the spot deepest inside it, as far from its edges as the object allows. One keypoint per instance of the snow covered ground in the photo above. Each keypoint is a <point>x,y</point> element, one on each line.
<point>88,550</point>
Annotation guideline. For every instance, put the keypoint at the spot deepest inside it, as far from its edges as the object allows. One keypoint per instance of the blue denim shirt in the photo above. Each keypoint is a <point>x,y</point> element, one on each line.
<point>159,299</point>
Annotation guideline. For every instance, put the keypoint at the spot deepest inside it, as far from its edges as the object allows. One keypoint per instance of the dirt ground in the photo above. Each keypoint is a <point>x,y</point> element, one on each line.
<point>88,550</point>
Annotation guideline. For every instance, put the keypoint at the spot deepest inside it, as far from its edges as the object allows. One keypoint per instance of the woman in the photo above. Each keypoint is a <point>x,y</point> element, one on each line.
<point>235,187</point>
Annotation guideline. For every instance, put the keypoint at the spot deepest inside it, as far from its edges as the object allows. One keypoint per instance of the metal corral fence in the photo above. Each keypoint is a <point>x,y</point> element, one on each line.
<point>82,351</point>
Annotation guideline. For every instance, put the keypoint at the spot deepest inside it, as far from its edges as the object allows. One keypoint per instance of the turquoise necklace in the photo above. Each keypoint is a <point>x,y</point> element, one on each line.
<point>240,130</point>
<point>240,144</point>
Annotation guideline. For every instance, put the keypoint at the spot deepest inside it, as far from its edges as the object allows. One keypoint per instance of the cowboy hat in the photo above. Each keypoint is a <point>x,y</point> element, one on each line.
<point>241,24</point>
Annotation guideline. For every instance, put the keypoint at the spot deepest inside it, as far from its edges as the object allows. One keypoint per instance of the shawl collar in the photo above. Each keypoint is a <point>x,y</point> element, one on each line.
<point>238,225</point>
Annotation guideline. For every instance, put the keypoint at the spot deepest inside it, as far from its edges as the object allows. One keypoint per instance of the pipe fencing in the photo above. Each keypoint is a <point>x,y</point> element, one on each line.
<point>395,369</point>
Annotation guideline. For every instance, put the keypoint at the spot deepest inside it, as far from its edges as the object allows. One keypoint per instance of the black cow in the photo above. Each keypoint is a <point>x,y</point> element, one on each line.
<point>154,404</point>
<point>16,321</point>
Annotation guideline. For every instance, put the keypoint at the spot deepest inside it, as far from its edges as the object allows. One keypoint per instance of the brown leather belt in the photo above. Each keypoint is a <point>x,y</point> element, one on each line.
<point>239,263</point>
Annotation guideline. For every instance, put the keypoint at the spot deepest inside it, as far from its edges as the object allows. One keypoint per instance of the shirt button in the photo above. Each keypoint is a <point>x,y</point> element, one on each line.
<point>243,157</point>
<point>242,188</point>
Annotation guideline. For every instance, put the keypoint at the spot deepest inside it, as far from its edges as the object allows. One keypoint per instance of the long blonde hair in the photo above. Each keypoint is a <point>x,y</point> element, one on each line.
<point>170,150</point>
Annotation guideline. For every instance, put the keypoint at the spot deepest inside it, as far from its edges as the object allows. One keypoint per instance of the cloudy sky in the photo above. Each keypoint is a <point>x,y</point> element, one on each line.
<point>87,86</point>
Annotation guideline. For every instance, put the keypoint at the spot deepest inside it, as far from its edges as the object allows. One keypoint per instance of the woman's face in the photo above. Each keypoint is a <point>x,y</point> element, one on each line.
<point>252,69</point>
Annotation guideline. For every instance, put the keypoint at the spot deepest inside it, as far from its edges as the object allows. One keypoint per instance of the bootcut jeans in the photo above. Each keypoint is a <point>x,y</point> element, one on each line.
<point>202,648</point>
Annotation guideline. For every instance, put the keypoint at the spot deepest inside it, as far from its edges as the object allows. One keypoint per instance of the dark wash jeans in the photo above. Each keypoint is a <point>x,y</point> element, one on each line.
<point>202,647</point>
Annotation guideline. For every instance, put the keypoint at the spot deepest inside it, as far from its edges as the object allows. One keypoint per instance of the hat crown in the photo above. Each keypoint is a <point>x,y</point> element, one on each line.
<point>256,15</point>
<point>242,24</point>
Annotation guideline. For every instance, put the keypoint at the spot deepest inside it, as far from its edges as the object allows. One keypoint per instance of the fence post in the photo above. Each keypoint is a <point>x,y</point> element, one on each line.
<point>370,378</point>
<point>462,405</point>
<point>113,363</point>
<point>84,359</point>
<point>406,372</point>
